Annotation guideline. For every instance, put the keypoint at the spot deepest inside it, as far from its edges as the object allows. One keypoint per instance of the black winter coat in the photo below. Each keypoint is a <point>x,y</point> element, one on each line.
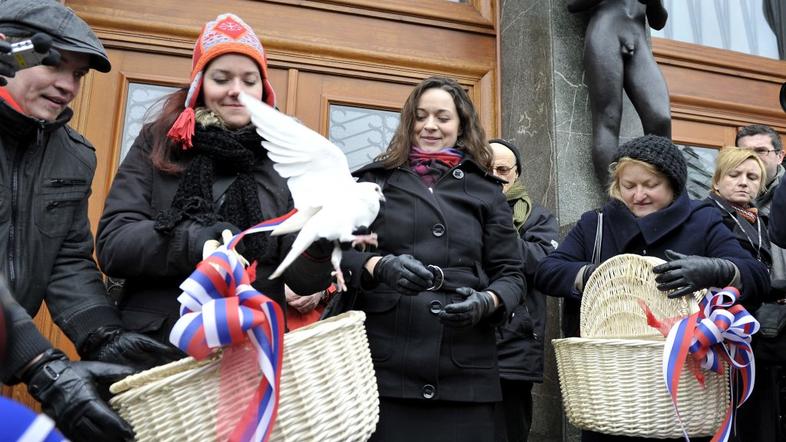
<point>153,264</point>
<point>689,227</point>
<point>520,339</point>
<point>46,246</point>
<point>753,238</point>
<point>777,222</point>
<point>463,225</point>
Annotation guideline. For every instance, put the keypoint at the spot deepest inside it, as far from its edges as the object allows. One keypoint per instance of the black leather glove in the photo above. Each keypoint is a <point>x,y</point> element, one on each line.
<point>113,344</point>
<point>476,306</point>
<point>403,273</point>
<point>320,250</point>
<point>69,393</point>
<point>213,231</point>
<point>687,274</point>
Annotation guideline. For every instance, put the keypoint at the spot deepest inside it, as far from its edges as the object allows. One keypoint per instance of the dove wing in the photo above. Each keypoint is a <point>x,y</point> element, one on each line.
<point>316,170</point>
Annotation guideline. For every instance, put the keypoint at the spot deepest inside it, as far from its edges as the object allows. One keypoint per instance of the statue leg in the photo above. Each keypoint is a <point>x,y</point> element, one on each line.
<point>646,88</point>
<point>604,69</point>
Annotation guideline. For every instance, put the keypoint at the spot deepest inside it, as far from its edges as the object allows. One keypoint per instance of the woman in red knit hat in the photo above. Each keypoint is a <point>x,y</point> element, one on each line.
<point>196,170</point>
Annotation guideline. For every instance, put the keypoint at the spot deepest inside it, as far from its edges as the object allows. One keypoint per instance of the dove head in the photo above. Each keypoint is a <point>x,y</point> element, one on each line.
<point>371,190</point>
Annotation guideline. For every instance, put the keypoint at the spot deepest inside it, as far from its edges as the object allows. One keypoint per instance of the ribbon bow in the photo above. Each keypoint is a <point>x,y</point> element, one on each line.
<point>218,308</point>
<point>720,331</point>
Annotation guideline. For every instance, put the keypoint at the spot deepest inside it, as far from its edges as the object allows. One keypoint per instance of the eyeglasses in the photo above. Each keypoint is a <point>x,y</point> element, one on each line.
<point>763,152</point>
<point>503,170</point>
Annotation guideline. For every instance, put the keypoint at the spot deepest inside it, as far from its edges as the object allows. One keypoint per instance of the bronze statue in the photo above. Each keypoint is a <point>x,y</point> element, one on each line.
<point>617,57</point>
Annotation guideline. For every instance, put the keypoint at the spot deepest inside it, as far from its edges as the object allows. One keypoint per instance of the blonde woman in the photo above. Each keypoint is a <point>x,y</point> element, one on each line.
<point>738,179</point>
<point>650,214</point>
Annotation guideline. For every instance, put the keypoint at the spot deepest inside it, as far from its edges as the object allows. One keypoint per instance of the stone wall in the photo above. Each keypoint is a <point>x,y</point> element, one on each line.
<point>546,112</point>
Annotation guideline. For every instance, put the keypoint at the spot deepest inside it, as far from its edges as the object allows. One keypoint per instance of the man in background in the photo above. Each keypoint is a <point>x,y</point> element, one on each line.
<point>520,339</point>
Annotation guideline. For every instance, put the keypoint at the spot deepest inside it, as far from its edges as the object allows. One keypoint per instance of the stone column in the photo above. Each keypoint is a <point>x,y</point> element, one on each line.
<point>546,112</point>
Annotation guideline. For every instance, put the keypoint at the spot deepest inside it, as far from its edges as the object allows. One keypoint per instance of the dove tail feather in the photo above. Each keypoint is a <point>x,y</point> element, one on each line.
<point>289,226</point>
<point>294,222</point>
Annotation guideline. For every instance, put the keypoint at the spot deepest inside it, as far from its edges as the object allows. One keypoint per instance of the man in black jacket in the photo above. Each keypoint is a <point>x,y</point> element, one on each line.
<point>46,246</point>
<point>520,339</point>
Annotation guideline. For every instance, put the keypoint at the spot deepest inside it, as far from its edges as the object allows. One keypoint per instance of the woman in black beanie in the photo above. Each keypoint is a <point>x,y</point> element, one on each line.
<point>649,213</point>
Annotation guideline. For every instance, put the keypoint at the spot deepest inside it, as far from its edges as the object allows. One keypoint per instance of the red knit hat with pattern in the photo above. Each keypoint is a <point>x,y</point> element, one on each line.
<point>227,34</point>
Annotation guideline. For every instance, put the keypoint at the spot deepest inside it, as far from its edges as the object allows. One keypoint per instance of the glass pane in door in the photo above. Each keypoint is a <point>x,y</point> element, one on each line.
<point>362,133</point>
<point>701,166</point>
<point>142,106</point>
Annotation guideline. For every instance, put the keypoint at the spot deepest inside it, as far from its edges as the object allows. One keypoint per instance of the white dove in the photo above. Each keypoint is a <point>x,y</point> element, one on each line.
<point>330,203</point>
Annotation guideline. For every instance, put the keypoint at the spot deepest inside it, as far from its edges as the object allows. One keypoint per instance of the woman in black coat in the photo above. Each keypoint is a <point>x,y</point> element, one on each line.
<point>737,181</point>
<point>446,271</point>
<point>192,174</point>
<point>650,214</point>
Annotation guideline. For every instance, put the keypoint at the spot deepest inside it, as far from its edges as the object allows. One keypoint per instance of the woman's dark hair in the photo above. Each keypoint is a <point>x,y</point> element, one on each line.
<point>471,139</point>
<point>164,151</point>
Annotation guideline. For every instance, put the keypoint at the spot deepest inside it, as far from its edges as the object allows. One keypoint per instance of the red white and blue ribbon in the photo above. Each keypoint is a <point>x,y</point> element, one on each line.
<point>219,307</point>
<point>720,331</point>
<point>23,424</point>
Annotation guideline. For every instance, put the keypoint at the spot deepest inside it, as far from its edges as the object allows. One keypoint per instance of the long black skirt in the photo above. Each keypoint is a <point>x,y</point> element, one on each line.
<point>413,420</point>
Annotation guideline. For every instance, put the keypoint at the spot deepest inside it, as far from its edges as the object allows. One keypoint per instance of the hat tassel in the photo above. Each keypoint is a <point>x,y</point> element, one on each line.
<point>183,128</point>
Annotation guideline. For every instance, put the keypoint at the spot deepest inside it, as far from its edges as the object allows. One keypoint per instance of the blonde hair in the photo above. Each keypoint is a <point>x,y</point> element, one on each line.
<point>730,157</point>
<point>615,170</point>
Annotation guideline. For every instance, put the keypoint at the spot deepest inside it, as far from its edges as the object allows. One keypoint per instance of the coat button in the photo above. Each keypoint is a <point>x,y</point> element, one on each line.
<point>438,230</point>
<point>458,174</point>
<point>429,391</point>
<point>435,307</point>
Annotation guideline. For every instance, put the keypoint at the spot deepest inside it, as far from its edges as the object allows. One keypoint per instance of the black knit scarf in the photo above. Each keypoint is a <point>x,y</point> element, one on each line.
<point>227,152</point>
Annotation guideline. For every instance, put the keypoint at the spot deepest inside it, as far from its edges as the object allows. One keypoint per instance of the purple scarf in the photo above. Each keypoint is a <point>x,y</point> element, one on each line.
<point>430,166</point>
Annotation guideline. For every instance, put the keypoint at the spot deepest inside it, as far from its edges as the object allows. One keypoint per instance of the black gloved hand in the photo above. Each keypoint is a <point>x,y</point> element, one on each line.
<point>403,273</point>
<point>320,249</point>
<point>198,239</point>
<point>476,306</point>
<point>690,273</point>
<point>69,393</point>
<point>113,344</point>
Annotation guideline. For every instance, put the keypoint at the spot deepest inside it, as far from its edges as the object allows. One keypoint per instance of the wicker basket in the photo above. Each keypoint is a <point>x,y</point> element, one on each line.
<point>611,378</point>
<point>328,390</point>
